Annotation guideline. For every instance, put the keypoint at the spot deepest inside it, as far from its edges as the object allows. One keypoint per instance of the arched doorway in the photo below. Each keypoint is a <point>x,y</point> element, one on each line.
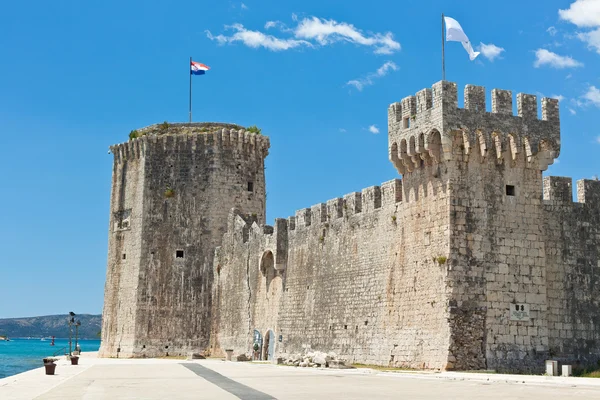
<point>269,345</point>
<point>257,345</point>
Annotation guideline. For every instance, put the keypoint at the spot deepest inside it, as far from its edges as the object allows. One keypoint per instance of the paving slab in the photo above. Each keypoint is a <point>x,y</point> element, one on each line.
<point>309,383</point>
<point>96,379</point>
<point>137,381</point>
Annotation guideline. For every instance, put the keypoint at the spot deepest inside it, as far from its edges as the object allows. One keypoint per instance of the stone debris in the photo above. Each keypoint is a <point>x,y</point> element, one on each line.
<point>316,359</point>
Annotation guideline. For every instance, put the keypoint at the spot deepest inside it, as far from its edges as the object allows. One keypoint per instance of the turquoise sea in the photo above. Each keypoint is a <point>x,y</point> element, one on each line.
<point>20,355</point>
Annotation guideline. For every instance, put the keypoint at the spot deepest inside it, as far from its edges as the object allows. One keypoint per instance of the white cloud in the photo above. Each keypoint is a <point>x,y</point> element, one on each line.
<point>329,31</point>
<point>592,96</point>
<point>552,31</point>
<point>342,130</point>
<point>279,25</point>
<point>309,32</point>
<point>368,80</point>
<point>558,97</point>
<point>569,76</point>
<point>244,7</point>
<point>592,38</point>
<point>490,51</point>
<point>545,57</point>
<point>573,112</point>
<point>577,103</point>
<point>257,39</point>
<point>373,129</point>
<point>598,140</point>
<point>583,13</point>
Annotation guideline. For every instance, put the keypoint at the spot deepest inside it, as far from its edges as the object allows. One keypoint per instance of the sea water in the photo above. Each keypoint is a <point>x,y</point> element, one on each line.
<point>20,355</point>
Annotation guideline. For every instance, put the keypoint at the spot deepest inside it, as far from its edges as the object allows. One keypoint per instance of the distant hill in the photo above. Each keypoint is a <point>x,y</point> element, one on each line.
<point>50,325</point>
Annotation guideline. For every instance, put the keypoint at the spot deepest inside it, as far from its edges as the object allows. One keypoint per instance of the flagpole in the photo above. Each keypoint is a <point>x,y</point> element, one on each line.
<point>443,55</point>
<point>190,72</point>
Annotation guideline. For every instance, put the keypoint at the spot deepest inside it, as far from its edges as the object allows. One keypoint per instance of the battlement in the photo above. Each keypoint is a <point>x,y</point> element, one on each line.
<point>423,128</point>
<point>193,138</point>
<point>558,190</point>
<point>368,200</point>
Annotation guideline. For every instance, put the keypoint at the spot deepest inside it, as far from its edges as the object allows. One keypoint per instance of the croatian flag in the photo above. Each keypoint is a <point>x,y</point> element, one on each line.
<point>197,68</point>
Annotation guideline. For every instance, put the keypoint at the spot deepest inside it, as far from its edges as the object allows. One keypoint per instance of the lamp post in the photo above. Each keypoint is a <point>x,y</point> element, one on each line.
<point>77,325</point>
<point>71,321</point>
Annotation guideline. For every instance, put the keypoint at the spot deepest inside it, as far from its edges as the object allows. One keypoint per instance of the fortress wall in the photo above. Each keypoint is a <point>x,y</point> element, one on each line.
<point>124,252</point>
<point>248,281</point>
<point>208,173</point>
<point>498,262</point>
<point>573,269</point>
<point>361,278</point>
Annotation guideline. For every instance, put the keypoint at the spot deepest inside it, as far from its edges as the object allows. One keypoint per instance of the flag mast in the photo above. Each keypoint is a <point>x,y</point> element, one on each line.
<point>443,56</point>
<point>190,72</point>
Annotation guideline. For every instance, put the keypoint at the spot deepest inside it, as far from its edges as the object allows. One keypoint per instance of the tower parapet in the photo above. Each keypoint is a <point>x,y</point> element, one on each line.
<point>423,128</point>
<point>178,136</point>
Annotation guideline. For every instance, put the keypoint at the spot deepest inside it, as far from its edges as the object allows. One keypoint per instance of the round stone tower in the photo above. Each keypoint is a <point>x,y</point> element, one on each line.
<point>172,188</point>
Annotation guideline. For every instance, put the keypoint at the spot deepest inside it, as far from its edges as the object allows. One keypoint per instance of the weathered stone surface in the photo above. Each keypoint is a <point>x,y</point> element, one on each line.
<point>171,193</point>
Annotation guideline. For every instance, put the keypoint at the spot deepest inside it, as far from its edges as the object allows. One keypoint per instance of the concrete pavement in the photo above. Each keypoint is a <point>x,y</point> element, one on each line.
<point>215,379</point>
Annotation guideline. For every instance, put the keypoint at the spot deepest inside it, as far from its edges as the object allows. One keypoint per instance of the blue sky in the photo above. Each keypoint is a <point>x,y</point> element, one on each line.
<point>316,76</point>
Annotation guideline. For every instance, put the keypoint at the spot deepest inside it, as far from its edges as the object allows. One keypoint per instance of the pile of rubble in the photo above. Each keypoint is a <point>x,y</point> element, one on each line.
<point>314,359</point>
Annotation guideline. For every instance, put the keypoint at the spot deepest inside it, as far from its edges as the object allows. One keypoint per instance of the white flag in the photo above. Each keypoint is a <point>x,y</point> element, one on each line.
<point>455,33</point>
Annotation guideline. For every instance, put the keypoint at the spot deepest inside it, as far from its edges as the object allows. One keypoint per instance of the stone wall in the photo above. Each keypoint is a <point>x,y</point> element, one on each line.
<point>497,262</point>
<point>572,232</point>
<point>357,275</point>
<point>124,253</point>
<point>182,183</point>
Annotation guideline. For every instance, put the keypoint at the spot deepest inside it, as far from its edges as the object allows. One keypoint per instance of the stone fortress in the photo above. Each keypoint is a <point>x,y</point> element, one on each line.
<point>472,261</point>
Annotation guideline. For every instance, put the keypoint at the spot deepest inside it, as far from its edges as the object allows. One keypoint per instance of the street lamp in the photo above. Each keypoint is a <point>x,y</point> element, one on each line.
<point>71,321</point>
<point>77,325</point>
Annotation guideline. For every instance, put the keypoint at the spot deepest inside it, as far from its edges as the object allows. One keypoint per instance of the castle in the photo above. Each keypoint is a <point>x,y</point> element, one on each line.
<point>472,261</point>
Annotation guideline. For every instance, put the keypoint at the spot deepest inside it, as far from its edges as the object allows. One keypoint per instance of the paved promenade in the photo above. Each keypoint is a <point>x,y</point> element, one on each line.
<point>213,379</point>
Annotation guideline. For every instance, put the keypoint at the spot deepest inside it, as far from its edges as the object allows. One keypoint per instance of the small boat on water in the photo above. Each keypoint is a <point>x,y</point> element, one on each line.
<point>48,338</point>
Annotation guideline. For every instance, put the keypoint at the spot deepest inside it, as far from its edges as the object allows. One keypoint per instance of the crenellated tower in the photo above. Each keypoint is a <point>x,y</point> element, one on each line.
<point>172,189</point>
<point>491,165</point>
